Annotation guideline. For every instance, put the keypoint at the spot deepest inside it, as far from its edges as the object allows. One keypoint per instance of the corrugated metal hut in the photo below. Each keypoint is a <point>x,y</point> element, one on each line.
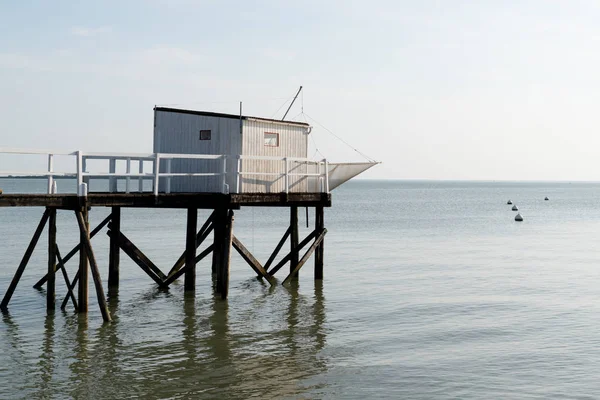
<point>236,137</point>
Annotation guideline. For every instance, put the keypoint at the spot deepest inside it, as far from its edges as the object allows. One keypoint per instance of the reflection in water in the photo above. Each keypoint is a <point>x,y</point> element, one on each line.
<point>264,342</point>
<point>46,359</point>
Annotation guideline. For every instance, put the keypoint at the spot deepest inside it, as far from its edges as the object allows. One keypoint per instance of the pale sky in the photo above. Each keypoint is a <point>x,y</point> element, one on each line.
<point>486,90</point>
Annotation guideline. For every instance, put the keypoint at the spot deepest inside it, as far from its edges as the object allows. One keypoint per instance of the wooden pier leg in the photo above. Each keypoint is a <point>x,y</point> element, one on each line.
<point>190,250</point>
<point>82,287</point>
<point>294,240</point>
<point>319,251</point>
<point>114,252</point>
<point>218,222</point>
<point>225,258</point>
<point>51,284</point>
<point>24,261</point>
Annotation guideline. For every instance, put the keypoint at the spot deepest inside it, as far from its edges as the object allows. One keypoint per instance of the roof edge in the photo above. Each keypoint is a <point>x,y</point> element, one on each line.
<point>231,116</point>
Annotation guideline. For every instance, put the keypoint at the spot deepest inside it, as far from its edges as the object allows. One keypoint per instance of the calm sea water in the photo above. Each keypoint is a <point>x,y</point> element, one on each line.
<point>431,291</point>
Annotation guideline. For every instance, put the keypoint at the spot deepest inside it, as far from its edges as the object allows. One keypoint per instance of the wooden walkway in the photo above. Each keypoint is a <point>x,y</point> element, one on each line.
<point>170,200</point>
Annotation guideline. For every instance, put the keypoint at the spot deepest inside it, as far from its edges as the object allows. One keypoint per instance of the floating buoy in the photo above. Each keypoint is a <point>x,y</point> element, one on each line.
<point>518,217</point>
<point>515,208</point>
<point>546,198</point>
<point>509,202</point>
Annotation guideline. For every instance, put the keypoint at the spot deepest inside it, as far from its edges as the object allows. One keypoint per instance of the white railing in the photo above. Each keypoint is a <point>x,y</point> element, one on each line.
<point>233,170</point>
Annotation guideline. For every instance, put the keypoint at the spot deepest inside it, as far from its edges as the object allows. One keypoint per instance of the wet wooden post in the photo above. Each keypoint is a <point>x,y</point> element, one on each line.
<point>82,287</point>
<point>294,239</point>
<point>114,252</point>
<point>218,222</point>
<point>225,239</point>
<point>190,250</point>
<point>51,284</point>
<point>319,226</point>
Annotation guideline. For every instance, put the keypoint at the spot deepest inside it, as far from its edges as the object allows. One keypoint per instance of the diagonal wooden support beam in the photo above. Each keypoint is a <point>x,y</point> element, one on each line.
<point>138,257</point>
<point>74,251</point>
<point>200,237</point>
<point>287,258</point>
<point>306,256</point>
<point>181,271</point>
<point>70,287</point>
<point>251,260</point>
<point>24,260</point>
<point>278,248</point>
<point>87,245</point>
<point>61,266</point>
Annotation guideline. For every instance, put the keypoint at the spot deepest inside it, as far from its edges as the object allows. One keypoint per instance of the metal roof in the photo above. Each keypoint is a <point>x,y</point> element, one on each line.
<point>232,116</point>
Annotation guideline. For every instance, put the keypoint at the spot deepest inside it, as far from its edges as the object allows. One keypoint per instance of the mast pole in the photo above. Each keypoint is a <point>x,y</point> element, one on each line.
<point>288,110</point>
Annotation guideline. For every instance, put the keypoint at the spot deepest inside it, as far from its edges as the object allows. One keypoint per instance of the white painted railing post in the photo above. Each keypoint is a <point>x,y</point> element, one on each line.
<point>168,185</point>
<point>326,176</point>
<point>50,170</point>
<point>79,169</point>
<point>156,172</point>
<point>237,176</point>
<point>82,190</point>
<point>225,187</point>
<point>128,171</point>
<point>319,183</point>
<point>141,180</point>
<point>287,177</point>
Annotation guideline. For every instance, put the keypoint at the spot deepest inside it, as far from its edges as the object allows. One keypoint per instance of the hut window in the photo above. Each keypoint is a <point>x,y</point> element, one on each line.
<point>205,134</point>
<point>271,139</point>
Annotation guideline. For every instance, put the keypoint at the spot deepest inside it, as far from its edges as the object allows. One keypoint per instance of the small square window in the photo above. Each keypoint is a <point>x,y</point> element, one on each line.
<point>205,134</point>
<point>271,139</point>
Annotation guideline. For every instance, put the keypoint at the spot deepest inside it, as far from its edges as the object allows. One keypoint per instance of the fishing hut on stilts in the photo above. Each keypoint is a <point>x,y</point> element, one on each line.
<point>201,160</point>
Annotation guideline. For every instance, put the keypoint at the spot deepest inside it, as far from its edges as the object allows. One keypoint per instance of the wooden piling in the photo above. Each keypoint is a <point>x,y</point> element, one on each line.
<point>220,215</point>
<point>51,284</point>
<point>82,287</point>
<point>319,251</point>
<point>114,251</point>
<point>190,250</point>
<point>24,261</point>
<point>294,241</point>
<point>225,258</point>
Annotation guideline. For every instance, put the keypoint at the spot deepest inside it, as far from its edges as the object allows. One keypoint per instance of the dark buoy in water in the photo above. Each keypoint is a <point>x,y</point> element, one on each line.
<point>518,217</point>
<point>546,198</point>
<point>515,208</point>
<point>509,202</point>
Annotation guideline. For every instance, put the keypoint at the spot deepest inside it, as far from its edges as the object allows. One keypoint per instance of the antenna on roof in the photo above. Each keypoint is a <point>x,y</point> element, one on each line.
<point>288,110</point>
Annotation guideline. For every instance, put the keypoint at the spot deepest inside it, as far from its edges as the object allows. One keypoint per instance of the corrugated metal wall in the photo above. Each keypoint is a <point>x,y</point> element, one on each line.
<point>180,133</point>
<point>176,132</point>
<point>293,142</point>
